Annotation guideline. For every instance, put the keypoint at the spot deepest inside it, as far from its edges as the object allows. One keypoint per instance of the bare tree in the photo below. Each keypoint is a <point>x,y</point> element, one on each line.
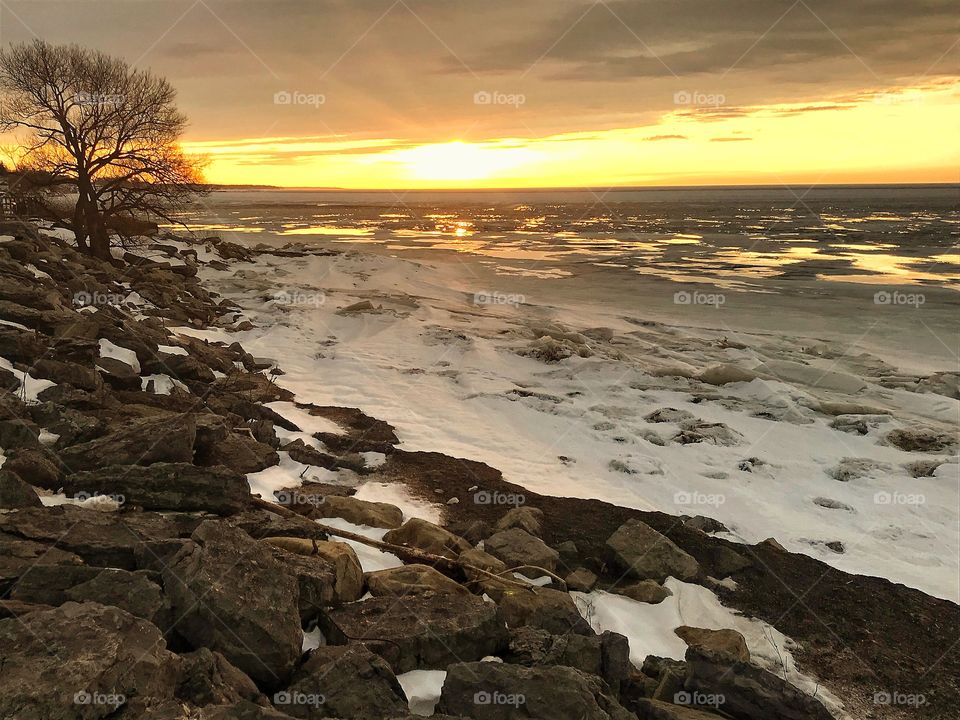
<point>108,131</point>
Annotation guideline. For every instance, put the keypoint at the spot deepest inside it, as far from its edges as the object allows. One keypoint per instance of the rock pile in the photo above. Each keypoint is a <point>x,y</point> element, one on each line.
<point>140,579</point>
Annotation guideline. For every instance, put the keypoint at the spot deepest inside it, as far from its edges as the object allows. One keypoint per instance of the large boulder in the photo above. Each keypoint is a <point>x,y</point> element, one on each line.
<point>134,592</point>
<point>409,580</point>
<point>229,594</point>
<point>425,632</point>
<point>606,655</point>
<point>525,518</point>
<point>347,682</point>
<point>517,547</point>
<point>646,591</point>
<point>208,678</point>
<point>498,691</point>
<point>240,452</point>
<point>360,512</point>
<point>339,557</point>
<point>138,442</point>
<point>316,580</point>
<point>166,486</point>
<point>81,661</point>
<point>17,557</point>
<point>643,553</point>
<point>426,536</point>
<point>104,539</point>
<point>542,608</point>
<point>749,692</point>
<point>726,644</point>
<point>15,493</point>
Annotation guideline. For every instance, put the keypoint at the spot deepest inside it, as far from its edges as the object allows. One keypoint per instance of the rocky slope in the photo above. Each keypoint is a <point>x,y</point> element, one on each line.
<point>141,579</point>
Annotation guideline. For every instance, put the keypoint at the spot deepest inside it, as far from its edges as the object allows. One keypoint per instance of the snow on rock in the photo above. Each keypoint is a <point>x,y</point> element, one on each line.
<point>398,494</point>
<point>650,629</point>
<point>129,357</point>
<point>370,558</point>
<point>305,421</point>
<point>422,688</point>
<point>30,386</point>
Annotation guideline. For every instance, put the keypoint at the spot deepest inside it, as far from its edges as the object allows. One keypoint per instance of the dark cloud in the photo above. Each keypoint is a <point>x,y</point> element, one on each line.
<point>665,137</point>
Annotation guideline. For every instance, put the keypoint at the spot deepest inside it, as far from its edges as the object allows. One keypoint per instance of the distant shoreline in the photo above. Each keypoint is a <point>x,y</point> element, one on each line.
<point>616,188</point>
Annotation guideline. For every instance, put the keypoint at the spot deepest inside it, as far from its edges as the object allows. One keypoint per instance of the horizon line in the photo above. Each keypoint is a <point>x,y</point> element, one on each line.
<point>591,188</point>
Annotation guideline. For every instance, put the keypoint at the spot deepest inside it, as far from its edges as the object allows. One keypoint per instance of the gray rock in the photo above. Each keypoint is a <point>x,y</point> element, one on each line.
<point>361,512</point>
<point>208,678</point>
<point>15,493</point>
<point>922,439</point>
<point>643,553</point>
<point>428,631</point>
<point>542,608</point>
<point>138,442</point>
<point>498,691</point>
<point>426,536</point>
<point>517,547</point>
<point>166,486</point>
<point>105,657</point>
<point>749,692</point>
<point>229,594</point>
<point>606,655</point>
<point>347,682</point>
<point>525,518</point>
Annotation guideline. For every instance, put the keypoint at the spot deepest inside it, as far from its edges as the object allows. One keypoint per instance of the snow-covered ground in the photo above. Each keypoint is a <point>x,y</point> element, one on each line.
<point>454,354</point>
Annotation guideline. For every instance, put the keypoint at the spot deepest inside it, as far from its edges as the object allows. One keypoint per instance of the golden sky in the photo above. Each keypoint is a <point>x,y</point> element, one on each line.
<point>542,93</point>
<point>908,136</point>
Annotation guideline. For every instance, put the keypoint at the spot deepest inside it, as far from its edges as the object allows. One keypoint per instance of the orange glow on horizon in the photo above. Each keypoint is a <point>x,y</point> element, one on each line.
<point>902,137</point>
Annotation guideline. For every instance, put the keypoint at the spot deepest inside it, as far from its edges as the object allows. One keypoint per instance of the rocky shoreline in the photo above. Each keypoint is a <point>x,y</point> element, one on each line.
<point>140,578</point>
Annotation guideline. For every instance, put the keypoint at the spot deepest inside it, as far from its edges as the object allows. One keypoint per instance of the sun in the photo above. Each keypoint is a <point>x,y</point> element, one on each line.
<point>459,161</point>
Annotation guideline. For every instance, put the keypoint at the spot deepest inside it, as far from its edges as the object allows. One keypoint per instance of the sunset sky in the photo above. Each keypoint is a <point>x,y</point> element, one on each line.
<point>548,93</point>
